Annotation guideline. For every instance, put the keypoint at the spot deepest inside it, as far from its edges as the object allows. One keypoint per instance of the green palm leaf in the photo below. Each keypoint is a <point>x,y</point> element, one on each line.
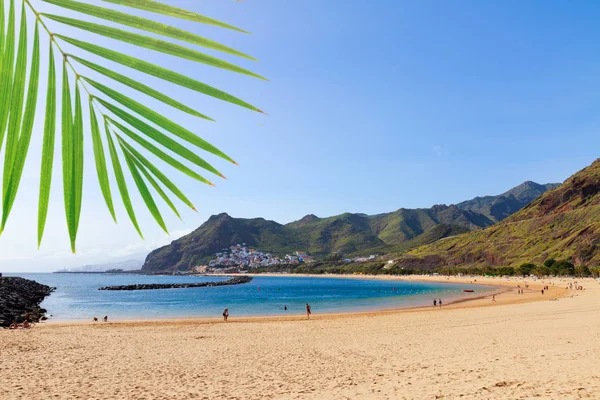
<point>154,184</point>
<point>67,152</point>
<point>26,129</point>
<point>145,24</point>
<point>19,87</point>
<point>47,148</point>
<point>159,137</point>
<point>152,44</point>
<point>2,34</point>
<point>144,192</point>
<point>120,178</point>
<point>159,175</point>
<point>100,160</point>
<point>7,68</point>
<point>159,153</point>
<point>72,161</point>
<point>155,70</point>
<point>132,83</point>
<point>164,9</point>
<point>16,107</point>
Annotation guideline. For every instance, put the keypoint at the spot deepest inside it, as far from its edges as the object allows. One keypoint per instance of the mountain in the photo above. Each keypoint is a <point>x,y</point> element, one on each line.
<point>347,233</point>
<point>497,208</point>
<point>562,223</point>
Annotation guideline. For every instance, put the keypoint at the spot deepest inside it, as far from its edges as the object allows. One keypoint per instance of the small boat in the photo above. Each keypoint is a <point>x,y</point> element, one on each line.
<point>468,291</point>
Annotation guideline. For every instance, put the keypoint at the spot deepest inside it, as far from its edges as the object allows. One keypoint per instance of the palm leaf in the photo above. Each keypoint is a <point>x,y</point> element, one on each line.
<point>152,44</point>
<point>72,161</point>
<point>155,70</point>
<point>19,87</point>
<point>67,151</point>
<point>100,160</point>
<point>144,192</point>
<point>16,107</point>
<point>120,178</point>
<point>47,148</point>
<point>26,129</point>
<point>154,184</point>
<point>159,137</point>
<point>7,68</point>
<point>159,153</point>
<point>159,175</point>
<point>2,34</point>
<point>145,24</point>
<point>132,83</point>
<point>164,9</point>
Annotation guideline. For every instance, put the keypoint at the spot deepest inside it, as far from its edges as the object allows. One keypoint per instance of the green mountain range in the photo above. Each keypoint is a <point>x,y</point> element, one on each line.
<point>497,208</point>
<point>562,223</point>
<point>347,233</point>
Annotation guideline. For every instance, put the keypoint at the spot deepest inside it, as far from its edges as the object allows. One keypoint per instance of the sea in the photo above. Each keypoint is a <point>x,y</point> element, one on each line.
<point>77,296</point>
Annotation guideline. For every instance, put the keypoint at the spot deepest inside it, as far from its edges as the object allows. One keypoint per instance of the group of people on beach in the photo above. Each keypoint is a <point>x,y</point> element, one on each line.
<point>25,325</point>
<point>308,311</point>
<point>577,287</point>
<point>436,302</point>
<point>105,319</point>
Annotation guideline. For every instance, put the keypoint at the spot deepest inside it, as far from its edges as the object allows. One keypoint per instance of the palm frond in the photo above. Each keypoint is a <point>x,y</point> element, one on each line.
<point>24,138</point>
<point>7,68</point>
<point>146,25</point>
<point>47,148</point>
<point>127,121</point>
<point>164,9</point>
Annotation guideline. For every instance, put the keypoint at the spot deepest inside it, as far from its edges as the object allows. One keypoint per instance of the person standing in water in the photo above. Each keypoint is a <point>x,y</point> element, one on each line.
<point>440,302</point>
<point>434,302</point>
<point>284,308</point>
<point>225,314</point>
<point>308,312</point>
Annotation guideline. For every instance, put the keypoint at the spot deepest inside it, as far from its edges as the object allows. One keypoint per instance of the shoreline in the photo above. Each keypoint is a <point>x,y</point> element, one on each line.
<point>504,288</point>
<point>516,348</point>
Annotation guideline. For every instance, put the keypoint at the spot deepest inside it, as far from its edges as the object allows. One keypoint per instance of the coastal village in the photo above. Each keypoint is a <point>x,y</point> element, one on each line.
<point>240,257</point>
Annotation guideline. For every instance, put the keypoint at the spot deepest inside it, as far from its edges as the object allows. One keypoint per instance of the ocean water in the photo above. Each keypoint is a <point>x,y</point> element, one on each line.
<point>77,296</point>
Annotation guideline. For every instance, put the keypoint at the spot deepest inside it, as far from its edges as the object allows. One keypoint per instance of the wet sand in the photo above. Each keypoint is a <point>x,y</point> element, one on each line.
<point>522,346</point>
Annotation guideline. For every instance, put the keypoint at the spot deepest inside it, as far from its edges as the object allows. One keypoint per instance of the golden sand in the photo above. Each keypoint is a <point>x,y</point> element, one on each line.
<point>522,347</point>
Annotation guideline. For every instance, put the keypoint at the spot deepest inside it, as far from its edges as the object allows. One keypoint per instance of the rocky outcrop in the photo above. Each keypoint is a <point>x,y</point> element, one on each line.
<point>151,286</point>
<point>20,300</point>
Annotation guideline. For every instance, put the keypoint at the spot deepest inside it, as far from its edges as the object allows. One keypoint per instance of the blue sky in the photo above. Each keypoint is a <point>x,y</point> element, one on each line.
<point>373,106</point>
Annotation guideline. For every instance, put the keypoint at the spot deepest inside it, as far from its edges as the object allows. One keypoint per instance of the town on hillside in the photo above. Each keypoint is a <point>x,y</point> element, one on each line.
<point>240,257</point>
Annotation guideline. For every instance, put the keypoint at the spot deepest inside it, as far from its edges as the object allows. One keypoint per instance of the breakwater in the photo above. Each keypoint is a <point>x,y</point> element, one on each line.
<point>238,280</point>
<point>20,300</point>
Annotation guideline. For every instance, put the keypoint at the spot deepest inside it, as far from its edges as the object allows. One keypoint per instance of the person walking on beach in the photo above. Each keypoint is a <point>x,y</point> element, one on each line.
<point>434,302</point>
<point>308,312</point>
<point>493,298</point>
<point>440,302</point>
<point>105,319</point>
<point>225,314</point>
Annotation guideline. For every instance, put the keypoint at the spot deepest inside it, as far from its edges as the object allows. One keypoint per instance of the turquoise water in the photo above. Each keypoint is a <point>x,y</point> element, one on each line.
<point>77,296</point>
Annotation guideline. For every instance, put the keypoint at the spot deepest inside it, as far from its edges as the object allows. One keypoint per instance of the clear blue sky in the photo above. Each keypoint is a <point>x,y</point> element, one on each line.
<point>373,106</point>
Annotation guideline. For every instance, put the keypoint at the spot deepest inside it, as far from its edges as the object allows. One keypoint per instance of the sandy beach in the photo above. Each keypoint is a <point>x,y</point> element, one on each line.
<point>521,347</point>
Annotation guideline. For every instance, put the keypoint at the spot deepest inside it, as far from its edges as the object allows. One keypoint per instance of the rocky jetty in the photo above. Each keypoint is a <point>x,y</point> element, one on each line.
<point>152,286</point>
<point>20,300</point>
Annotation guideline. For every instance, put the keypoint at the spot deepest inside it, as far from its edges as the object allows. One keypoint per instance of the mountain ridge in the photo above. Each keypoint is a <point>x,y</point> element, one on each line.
<point>348,233</point>
<point>562,223</point>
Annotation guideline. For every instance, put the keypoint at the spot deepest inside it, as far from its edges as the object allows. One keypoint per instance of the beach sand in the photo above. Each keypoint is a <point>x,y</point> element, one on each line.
<point>522,347</point>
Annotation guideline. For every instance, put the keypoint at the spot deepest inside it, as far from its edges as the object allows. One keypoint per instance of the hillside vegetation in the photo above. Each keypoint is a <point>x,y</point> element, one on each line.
<point>564,223</point>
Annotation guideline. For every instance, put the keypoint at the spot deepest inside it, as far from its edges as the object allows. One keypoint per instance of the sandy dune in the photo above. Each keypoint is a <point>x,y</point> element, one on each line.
<point>514,349</point>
